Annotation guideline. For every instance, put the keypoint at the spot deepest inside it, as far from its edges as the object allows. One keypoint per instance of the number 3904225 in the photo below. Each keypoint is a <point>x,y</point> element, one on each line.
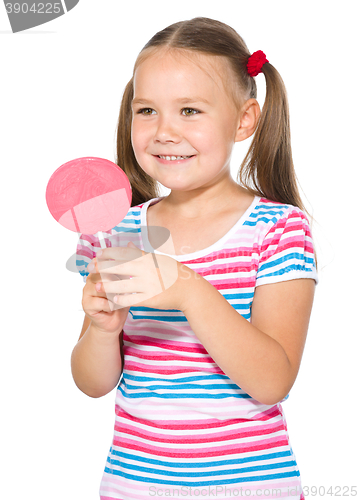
<point>36,8</point>
<point>335,491</point>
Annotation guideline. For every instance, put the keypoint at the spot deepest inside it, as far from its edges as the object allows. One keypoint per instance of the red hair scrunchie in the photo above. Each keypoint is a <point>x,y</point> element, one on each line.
<point>255,63</point>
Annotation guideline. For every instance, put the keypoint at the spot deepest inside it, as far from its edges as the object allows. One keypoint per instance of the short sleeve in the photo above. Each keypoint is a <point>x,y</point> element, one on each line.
<point>87,247</point>
<point>287,250</point>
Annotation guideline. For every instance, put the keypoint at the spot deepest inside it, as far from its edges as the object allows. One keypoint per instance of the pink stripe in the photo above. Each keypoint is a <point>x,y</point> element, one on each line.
<point>131,351</point>
<point>85,252</point>
<point>240,283</point>
<point>109,498</point>
<point>165,344</point>
<point>281,247</point>
<point>289,223</point>
<point>276,239</point>
<point>121,487</point>
<point>211,452</point>
<point>133,366</point>
<point>203,438</point>
<point>292,241</point>
<point>273,237</point>
<point>92,239</point>
<point>89,238</point>
<point>226,268</point>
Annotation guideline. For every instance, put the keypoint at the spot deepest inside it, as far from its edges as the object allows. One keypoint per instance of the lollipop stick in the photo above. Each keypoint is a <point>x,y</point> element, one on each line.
<point>102,239</point>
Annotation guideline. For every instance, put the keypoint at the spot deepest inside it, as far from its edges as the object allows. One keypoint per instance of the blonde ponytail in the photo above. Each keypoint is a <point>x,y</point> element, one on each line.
<point>268,167</point>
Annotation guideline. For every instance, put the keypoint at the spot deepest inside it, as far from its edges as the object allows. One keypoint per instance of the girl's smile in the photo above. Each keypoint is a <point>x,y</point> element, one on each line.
<point>173,160</point>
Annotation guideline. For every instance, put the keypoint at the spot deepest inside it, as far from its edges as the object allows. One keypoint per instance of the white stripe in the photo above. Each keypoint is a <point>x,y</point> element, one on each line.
<point>64,6</point>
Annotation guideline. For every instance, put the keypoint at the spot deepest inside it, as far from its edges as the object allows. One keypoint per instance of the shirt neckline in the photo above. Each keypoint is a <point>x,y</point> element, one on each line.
<point>200,253</point>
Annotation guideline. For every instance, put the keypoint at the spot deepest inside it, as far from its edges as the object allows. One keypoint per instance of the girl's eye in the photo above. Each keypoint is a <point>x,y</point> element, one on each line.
<point>184,111</point>
<point>145,111</point>
<point>190,111</point>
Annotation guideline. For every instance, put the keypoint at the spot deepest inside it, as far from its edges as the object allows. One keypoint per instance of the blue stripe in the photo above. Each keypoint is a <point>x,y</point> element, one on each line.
<point>160,318</point>
<point>81,263</point>
<point>286,258</point>
<point>120,229</point>
<point>195,465</point>
<point>128,221</point>
<point>204,483</point>
<point>135,211</point>
<point>287,270</point>
<point>264,206</point>
<point>261,219</point>
<point>239,296</point>
<point>184,379</point>
<point>153,309</point>
<point>181,387</point>
<point>277,214</point>
<point>223,472</point>
<point>179,317</point>
<point>240,306</point>
<point>182,396</point>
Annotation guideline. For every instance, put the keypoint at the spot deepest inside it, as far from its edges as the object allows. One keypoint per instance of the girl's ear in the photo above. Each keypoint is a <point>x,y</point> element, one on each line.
<point>249,117</point>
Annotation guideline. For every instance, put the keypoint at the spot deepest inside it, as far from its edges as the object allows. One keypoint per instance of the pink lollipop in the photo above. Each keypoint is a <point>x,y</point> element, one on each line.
<point>89,195</point>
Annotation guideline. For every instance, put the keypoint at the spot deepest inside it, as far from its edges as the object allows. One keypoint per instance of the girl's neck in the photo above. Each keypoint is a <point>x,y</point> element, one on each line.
<point>202,203</point>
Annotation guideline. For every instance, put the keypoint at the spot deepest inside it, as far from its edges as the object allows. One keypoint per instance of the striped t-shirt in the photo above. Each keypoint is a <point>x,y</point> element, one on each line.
<point>183,429</point>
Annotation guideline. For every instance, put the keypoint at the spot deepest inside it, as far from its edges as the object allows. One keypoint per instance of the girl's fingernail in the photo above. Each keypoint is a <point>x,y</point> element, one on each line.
<point>91,266</point>
<point>99,253</point>
<point>98,286</point>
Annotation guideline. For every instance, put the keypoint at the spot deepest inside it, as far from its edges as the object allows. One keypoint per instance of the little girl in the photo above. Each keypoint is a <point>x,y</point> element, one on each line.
<point>203,335</point>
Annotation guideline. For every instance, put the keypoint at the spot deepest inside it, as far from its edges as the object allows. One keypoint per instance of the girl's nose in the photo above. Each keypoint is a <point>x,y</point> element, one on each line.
<point>166,132</point>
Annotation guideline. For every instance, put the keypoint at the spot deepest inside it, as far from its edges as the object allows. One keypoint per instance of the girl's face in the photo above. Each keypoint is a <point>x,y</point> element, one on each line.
<point>184,122</point>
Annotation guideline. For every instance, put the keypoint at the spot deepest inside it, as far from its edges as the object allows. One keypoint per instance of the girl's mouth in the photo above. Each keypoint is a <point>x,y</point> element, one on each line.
<point>172,158</point>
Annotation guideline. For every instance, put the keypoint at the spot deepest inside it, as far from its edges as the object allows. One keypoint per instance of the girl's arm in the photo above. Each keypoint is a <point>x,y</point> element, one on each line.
<point>261,357</point>
<point>96,360</point>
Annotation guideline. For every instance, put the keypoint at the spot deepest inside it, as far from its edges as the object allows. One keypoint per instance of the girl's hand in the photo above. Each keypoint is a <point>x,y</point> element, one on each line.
<point>146,279</point>
<point>99,309</point>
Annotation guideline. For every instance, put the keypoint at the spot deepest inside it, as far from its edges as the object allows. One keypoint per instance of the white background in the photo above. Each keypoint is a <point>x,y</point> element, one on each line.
<point>61,85</point>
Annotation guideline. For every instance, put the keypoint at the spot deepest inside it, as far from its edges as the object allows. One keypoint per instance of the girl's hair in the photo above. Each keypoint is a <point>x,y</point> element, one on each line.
<point>267,170</point>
